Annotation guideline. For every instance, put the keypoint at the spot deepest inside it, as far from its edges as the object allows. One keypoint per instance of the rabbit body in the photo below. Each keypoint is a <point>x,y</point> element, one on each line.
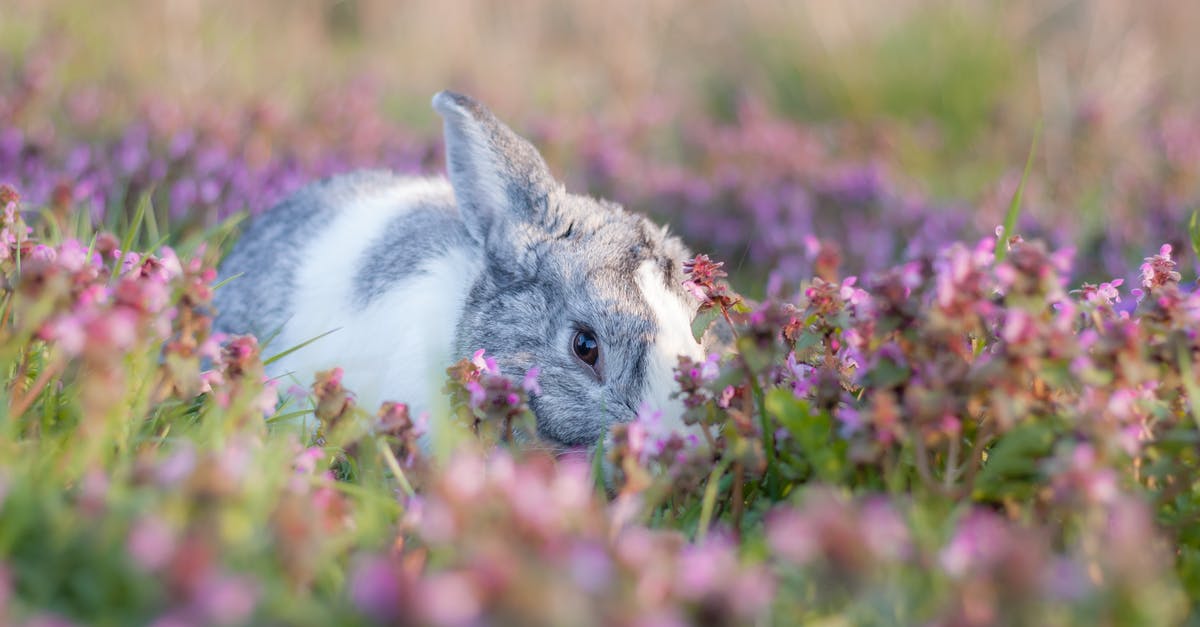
<point>384,313</point>
<point>399,277</point>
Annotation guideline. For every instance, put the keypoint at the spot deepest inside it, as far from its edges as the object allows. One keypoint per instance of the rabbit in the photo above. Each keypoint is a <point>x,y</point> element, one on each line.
<point>399,277</point>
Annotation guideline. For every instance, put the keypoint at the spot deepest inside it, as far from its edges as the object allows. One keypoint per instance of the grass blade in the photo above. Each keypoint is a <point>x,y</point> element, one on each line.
<point>216,286</point>
<point>710,499</point>
<point>1014,206</point>
<point>278,356</point>
<point>288,416</point>
<point>1194,232</point>
<point>139,216</point>
<point>1188,374</point>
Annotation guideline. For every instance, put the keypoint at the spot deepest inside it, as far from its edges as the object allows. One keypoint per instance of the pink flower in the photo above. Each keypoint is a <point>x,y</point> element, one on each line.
<point>169,263</point>
<point>228,600</point>
<point>803,377</point>
<point>177,466</point>
<point>649,434</point>
<point>530,383</point>
<point>464,477</point>
<point>267,398</point>
<point>590,566</point>
<point>1080,474</point>
<point>980,539</point>
<point>695,290</point>
<point>710,368</point>
<point>1104,294</point>
<point>884,530</point>
<point>485,364</point>
<point>478,394</point>
<point>68,332</point>
<point>306,461</point>
<point>376,588</point>
<point>790,535</point>
<point>851,420</point>
<point>705,568</point>
<point>852,295</point>
<point>151,543</point>
<point>448,599</point>
<point>1158,270</point>
<point>1019,327</point>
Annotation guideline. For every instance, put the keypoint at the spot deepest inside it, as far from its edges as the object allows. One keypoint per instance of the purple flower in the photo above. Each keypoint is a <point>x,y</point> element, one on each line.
<point>485,364</point>
<point>590,567</point>
<point>478,394</point>
<point>376,588</point>
<point>980,539</point>
<point>1159,270</point>
<point>791,535</point>
<point>649,434</point>
<point>448,599</point>
<point>227,600</point>
<point>530,383</point>
<point>705,568</point>
<point>151,543</point>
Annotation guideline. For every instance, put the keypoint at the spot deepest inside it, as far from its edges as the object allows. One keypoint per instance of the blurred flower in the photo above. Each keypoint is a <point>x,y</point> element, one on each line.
<point>151,543</point>
<point>1159,270</point>
<point>377,589</point>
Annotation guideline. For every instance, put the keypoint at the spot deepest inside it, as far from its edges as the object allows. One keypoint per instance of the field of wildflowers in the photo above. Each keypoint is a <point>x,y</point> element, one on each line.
<point>972,411</point>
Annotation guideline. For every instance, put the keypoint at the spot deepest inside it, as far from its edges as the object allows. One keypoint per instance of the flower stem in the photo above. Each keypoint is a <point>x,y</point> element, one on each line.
<point>390,459</point>
<point>710,499</point>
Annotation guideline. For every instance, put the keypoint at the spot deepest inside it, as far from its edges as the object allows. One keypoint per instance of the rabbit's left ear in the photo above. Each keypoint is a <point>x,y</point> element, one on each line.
<point>497,176</point>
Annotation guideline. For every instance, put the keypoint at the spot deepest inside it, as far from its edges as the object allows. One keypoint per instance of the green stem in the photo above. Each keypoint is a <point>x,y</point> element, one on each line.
<point>390,459</point>
<point>710,499</point>
<point>1190,386</point>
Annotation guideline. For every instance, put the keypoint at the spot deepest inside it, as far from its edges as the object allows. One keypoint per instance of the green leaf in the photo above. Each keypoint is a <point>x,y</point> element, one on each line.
<point>887,374</point>
<point>756,358</point>
<point>703,321</point>
<point>814,433</point>
<point>1012,463</point>
<point>790,411</point>
<point>806,341</point>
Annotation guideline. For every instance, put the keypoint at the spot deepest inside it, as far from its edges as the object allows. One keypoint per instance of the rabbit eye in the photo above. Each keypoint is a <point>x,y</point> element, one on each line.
<point>586,348</point>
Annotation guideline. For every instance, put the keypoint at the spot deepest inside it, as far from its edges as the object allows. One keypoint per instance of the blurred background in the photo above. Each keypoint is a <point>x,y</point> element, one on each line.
<point>838,119</point>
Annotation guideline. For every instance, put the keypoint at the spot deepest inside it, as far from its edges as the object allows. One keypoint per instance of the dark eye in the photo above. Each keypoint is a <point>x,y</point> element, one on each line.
<point>586,347</point>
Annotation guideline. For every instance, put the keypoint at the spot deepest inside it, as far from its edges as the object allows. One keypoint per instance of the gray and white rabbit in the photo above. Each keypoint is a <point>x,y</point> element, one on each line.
<point>411,274</point>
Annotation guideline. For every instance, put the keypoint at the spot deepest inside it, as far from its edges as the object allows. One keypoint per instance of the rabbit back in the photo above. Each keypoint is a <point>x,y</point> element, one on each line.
<point>375,265</point>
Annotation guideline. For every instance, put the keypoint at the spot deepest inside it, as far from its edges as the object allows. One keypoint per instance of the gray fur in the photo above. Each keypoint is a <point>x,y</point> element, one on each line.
<point>260,300</point>
<point>553,263</point>
<point>487,148</point>
<point>580,280</point>
<point>406,244</point>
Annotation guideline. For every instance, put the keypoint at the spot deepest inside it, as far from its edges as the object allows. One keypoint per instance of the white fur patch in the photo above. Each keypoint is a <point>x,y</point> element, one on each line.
<point>399,346</point>
<point>674,338</point>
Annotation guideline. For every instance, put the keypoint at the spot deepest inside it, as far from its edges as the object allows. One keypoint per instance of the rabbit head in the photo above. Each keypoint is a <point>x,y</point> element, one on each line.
<point>580,288</point>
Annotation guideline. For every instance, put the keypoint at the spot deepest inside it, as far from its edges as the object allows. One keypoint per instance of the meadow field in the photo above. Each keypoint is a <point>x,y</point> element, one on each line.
<point>954,245</point>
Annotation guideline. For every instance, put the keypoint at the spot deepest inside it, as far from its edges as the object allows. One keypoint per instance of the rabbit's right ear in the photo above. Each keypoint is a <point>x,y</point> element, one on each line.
<point>496,175</point>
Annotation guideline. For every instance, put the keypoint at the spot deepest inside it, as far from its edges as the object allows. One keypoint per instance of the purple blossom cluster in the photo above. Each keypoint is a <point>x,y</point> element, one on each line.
<point>490,404</point>
<point>955,436</point>
<point>905,429</point>
<point>751,190</point>
<point>547,551</point>
<point>201,168</point>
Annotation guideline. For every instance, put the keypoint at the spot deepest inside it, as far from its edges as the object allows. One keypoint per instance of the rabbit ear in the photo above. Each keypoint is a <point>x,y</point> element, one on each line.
<point>496,175</point>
